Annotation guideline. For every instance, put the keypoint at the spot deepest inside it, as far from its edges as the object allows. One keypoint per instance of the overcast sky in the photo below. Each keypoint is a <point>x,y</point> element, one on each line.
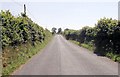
<point>65,14</point>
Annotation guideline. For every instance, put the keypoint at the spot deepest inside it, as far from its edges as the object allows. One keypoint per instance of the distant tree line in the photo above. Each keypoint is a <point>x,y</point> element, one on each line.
<point>54,30</point>
<point>105,36</point>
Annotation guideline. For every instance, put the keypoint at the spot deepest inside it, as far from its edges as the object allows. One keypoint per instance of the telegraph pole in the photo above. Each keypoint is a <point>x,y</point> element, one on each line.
<point>24,9</point>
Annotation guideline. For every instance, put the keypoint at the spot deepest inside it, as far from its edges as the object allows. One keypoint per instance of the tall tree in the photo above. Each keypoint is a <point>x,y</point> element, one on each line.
<point>54,30</point>
<point>59,31</point>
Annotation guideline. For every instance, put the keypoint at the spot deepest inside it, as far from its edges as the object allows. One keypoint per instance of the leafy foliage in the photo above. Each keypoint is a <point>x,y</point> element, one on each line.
<point>59,31</point>
<point>21,39</point>
<point>54,30</point>
<point>105,36</point>
<point>71,34</point>
<point>21,29</point>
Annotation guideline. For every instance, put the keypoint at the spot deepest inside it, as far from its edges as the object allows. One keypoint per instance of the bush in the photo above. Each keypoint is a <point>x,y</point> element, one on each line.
<point>104,38</point>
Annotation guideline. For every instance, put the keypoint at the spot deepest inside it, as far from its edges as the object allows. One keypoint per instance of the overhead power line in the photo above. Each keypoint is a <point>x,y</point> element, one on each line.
<point>25,9</point>
<point>17,3</point>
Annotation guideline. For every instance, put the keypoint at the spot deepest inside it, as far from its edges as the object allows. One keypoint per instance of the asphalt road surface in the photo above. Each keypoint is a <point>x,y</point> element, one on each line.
<point>61,57</point>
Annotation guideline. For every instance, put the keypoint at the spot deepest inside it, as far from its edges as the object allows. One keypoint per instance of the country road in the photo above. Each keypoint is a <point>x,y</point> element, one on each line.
<point>61,57</point>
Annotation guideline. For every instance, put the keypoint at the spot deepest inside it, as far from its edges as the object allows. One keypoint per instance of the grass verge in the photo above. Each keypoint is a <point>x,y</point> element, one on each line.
<point>87,46</point>
<point>114,57</point>
<point>13,58</point>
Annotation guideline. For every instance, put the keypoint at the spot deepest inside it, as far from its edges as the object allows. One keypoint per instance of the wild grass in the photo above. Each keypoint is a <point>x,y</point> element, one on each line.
<point>114,57</point>
<point>13,58</point>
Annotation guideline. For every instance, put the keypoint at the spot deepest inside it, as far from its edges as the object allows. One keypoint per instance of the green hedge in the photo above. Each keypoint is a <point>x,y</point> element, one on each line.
<point>19,30</point>
<point>104,37</point>
<point>21,39</point>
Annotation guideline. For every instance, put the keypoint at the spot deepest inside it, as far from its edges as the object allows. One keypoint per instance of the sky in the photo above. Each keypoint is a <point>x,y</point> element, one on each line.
<point>64,14</point>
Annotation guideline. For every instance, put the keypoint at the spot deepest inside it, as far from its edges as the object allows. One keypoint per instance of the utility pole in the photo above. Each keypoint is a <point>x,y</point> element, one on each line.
<point>24,9</point>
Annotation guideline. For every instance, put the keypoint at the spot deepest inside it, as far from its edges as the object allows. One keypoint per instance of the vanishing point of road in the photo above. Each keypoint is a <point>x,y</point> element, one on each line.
<point>61,57</point>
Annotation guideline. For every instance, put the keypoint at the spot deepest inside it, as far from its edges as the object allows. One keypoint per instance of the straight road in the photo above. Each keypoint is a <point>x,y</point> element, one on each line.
<point>62,57</point>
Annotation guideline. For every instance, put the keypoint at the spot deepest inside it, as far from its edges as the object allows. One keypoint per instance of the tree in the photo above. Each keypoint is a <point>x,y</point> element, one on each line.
<point>82,34</point>
<point>54,30</point>
<point>104,37</point>
<point>107,39</point>
<point>59,31</point>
